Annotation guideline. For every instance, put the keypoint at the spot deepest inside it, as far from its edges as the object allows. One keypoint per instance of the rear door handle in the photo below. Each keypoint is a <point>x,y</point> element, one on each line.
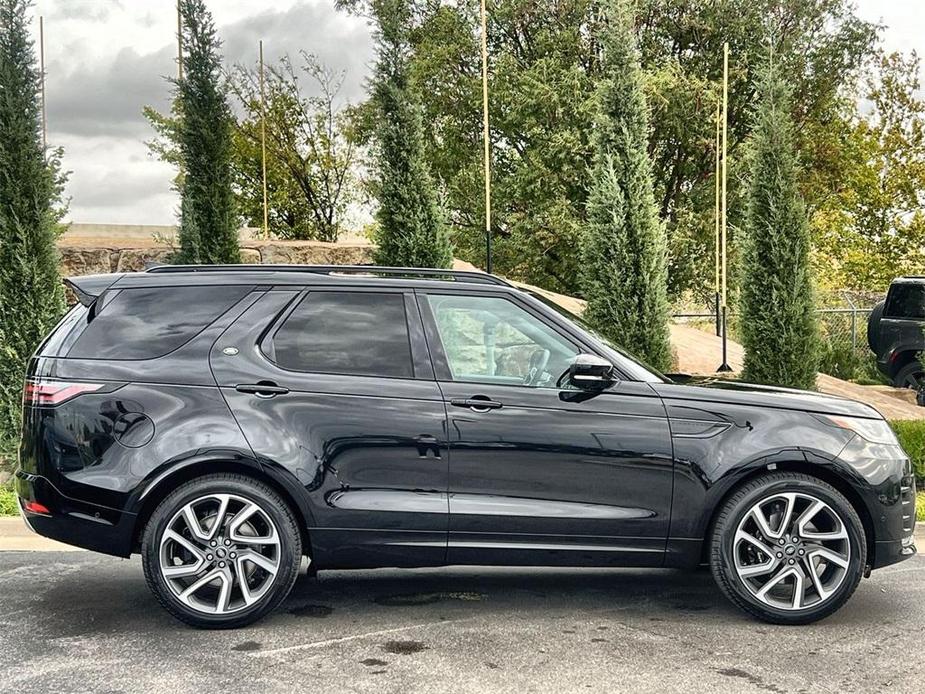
<point>476,404</point>
<point>262,390</point>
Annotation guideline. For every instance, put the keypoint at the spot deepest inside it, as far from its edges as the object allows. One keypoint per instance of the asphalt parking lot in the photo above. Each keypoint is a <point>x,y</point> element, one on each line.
<point>78,622</point>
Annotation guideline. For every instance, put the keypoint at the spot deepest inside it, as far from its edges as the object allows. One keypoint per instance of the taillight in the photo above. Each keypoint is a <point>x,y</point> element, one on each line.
<point>36,507</point>
<point>49,393</point>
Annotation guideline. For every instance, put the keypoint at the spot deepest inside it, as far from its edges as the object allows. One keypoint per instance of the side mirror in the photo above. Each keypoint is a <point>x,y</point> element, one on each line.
<point>591,371</point>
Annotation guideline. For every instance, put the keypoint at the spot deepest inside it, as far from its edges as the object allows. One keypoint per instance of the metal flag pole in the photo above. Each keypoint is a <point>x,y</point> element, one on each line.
<point>42,74</point>
<point>725,365</point>
<point>263,145</point>
<point>485,137</point>
<point>179,43</point>
<point>716,294</point>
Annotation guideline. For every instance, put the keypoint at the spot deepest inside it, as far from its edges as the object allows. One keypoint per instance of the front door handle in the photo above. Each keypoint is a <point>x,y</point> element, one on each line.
<point>264,389</point>
<point>477,403</point>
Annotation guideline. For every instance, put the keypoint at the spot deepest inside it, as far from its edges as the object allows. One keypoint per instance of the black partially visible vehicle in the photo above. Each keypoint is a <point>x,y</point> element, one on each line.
<point>224,422</point>
<point>896,333</point>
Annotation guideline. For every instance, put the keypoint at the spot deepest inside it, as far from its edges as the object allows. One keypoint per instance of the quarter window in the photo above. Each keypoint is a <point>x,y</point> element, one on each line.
<point>149,323</point>
<point>489,339</point>
<point>907,300</point>
<point>350,333</point>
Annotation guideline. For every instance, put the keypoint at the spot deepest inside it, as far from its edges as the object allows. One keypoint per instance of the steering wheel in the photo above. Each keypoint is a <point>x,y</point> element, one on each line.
<point>538,361</point>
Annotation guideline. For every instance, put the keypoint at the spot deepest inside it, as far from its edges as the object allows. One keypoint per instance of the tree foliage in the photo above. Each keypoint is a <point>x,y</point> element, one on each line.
<point>624,274</point>
<point>31,183</point>
<point>872,227</point>
<point>544,64</point>
<point>208,223</point>
<point>311,157</point>
<point>777,319</point>
<point>411,226</point>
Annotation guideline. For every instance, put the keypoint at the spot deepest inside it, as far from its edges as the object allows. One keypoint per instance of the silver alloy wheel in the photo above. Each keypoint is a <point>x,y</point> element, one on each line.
<point>792,551</point>
<point>220,554</point>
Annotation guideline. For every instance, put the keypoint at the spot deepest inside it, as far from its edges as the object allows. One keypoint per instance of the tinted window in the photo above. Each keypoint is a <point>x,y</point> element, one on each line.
<point>149,323</point>
<point>906,301</point>
<point>492,340</point>
<point>352,333</point>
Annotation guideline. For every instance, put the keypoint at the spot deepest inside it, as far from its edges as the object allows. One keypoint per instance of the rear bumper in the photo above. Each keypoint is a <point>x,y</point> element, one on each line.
<point>73,522</point>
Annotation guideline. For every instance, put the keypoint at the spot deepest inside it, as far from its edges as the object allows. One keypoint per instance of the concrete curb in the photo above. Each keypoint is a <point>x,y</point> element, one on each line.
<point>15,536</point>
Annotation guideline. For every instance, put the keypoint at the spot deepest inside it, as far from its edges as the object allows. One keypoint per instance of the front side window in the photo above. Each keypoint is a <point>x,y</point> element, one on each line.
<point>492,340</point>
<point>349,333</point>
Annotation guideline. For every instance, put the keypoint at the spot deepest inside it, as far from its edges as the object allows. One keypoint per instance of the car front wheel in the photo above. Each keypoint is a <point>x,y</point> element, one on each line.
<point>221,551</point>
<point>788,548</point>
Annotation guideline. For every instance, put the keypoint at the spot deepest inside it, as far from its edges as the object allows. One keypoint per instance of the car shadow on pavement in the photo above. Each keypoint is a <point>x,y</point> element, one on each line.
<point>503,588</point>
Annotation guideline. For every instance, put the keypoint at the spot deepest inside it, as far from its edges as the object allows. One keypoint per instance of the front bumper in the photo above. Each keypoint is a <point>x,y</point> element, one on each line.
<point>73,522</point>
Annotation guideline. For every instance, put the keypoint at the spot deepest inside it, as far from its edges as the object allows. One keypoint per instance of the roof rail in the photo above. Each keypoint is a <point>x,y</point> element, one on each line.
<point>410,272</point>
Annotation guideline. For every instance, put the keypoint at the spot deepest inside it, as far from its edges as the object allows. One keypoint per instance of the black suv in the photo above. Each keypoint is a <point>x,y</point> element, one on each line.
<point>224,422</point>
<point>896,333</point>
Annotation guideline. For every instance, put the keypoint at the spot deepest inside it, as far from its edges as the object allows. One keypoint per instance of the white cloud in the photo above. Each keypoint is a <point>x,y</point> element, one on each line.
<point>105,61</point>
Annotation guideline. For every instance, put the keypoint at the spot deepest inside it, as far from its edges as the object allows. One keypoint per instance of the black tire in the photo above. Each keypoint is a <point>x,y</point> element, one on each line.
<point>912,375</point>
<point>290,548</point>
<point>873,327</point>
<point>735,509</point>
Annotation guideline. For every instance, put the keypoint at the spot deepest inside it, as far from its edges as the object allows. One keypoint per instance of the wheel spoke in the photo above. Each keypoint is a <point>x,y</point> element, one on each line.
<point>223,500</point>
<point>192,522</point>
<point>788,514</point>
<point>829,556</point>
<point>799,590</point>
<point>743,536</point>
<point>187,594</point>
<point>234,527</point>
<point>171,536</point>
<point>814,577</point>
<point>775,579</point>
<point>762,522</point>
<point>258,559</point>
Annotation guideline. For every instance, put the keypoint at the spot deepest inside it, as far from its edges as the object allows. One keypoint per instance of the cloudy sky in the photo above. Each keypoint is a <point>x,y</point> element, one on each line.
<point>106,59</point>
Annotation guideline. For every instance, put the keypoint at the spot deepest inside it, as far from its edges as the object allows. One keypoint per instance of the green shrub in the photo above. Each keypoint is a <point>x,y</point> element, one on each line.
<point>7,501</point>
<point>911,435</point>
<point>920,507</point>
<point>625,275</point>
<point>779,327</point>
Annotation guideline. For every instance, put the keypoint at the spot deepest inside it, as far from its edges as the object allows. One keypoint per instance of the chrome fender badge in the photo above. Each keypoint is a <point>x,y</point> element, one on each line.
<point>230,351</point>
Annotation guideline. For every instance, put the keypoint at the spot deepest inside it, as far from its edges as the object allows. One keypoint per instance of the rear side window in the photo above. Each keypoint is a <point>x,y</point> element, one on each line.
<point>350,333</point>
<point>149,323</point>
<point>906,301</point>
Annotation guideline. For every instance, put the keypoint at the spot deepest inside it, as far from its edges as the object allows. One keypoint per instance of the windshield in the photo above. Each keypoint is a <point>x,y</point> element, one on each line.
<point>631,365</point>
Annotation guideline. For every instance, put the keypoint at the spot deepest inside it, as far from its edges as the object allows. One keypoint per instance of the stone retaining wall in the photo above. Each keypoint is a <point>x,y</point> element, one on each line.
<point>88,259</point>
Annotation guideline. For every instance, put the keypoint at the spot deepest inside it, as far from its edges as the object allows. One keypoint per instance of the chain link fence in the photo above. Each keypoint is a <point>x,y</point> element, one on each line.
<point>842,324</point>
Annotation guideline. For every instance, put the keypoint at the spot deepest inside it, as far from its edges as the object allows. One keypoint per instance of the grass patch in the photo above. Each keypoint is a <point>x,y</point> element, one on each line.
<point>920,507</point>
<point>911,436</point>
<point>8,505</point>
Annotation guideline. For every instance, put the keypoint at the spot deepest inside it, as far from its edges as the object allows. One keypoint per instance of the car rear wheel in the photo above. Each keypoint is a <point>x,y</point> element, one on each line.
<point>912,375</point>
<point>221,551</point>
<point>788,548</point>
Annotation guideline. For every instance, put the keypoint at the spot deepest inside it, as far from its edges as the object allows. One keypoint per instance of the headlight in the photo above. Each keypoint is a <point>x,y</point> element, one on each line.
<point>874,430</point>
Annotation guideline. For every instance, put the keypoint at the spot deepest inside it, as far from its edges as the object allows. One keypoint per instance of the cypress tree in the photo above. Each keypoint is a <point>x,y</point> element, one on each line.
<point>411,224</point>
<point>624,273</point>
<point>208,223</point>
<point>31,293</point>
<point>778,322</point>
